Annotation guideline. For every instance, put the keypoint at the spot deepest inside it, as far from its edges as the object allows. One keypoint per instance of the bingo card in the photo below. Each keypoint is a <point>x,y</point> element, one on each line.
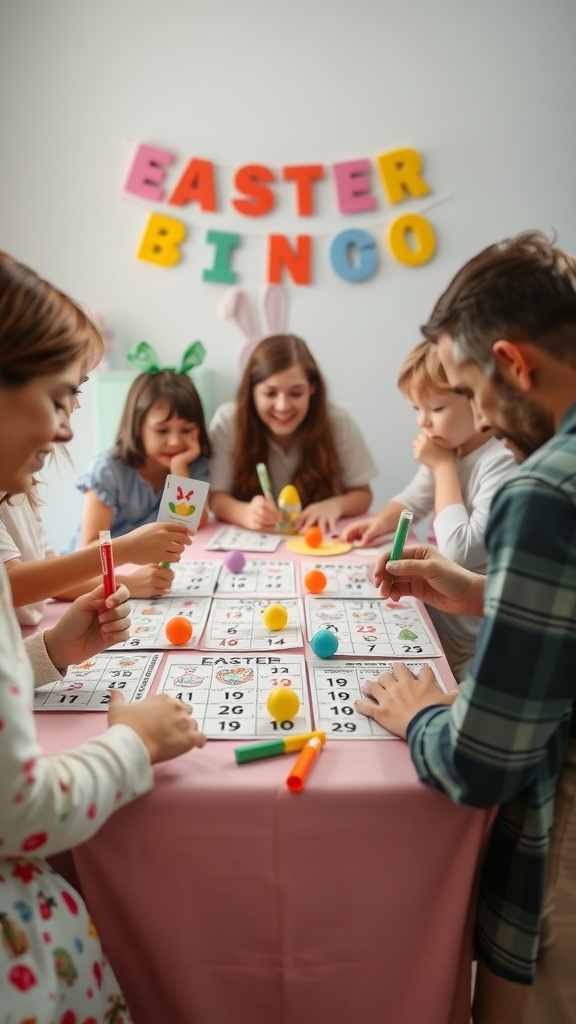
<point>149,619</point>
<point>86,687</point>
<point>259,579</point>
<point>198,578</point>
<point>237,625</point>
<point>334,689</point>
<point>231,538</point>
<point>342,580</point>
<point>377,628</point>
<point>228,694</point>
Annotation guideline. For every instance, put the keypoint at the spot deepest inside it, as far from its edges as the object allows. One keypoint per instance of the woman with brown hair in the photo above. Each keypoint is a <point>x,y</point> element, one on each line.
<point>282,417</point>
<point>51,963</point>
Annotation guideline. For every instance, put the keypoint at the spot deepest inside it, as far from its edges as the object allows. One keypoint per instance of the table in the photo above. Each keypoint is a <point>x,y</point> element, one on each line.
<point>222,897</point>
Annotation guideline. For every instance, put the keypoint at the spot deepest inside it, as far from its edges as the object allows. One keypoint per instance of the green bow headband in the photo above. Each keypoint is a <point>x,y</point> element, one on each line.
<point>145,359</point>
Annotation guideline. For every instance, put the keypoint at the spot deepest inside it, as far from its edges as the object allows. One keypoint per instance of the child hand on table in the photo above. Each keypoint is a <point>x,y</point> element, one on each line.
<point>164,724</point>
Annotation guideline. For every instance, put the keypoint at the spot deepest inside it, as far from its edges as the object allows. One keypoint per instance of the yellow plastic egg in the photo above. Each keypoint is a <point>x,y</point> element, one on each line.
<point>288,496</point>
<point>275,616</point>
<point>283,704</point>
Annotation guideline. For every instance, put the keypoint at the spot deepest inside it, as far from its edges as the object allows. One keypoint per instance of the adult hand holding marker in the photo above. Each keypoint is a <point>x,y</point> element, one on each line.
<point>404,524</point>
<point>266,513</point>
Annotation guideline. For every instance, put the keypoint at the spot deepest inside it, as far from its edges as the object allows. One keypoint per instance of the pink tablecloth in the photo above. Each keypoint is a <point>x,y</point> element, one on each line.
<point>222,898</point>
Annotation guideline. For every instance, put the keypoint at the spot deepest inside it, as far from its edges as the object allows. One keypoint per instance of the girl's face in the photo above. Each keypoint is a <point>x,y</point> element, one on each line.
<point>444,417</point>
<point>164,438</point>
<point>282,402</point>
<point>32,418</point>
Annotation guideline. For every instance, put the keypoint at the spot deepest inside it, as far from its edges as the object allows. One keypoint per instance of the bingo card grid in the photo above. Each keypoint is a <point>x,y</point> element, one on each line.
<point>335,687</point>
<point>236,625</point>
<point>274,579</point>
<point>86,686</point>
<point>376,628</point>
<point>342,581</point>
<point>228,694</point>
<point>149,619</point>
<point>231,538</point>
<point>198,578</point>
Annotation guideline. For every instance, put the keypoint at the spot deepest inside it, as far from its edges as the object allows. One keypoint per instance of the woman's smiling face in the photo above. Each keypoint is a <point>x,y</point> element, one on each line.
<point>32,417</point>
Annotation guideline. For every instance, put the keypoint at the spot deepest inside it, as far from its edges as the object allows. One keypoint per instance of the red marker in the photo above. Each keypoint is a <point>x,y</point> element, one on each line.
<point>107,563</point>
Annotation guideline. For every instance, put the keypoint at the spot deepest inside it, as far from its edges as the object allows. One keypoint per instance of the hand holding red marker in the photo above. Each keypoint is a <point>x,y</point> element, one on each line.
<point>107,559</point>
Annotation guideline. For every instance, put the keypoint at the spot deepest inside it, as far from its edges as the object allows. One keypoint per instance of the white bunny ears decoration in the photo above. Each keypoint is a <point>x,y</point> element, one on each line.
<point>236,305</point>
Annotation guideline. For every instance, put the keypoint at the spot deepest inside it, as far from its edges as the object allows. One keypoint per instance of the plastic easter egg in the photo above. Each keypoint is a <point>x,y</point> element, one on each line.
<point>314,537</point>
<point>275,616</point>
<point>324,643</point>
<point>178,630</point>
<point>315,581</point>
<point>288,496</point>
<point>235,561</point>
<point>283,704</point>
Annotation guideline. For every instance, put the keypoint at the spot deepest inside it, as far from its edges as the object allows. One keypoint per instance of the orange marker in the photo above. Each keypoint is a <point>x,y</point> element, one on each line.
<point>306,759</point>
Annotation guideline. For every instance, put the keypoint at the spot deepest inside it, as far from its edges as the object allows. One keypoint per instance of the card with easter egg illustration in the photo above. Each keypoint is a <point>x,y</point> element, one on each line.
<point>183,501</point>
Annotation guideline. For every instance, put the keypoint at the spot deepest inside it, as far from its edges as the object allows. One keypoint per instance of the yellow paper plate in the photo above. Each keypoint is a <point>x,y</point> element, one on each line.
<point>328,547</point>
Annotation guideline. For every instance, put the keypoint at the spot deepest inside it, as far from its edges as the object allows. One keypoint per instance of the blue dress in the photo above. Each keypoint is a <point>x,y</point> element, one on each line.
<point>133,501</point>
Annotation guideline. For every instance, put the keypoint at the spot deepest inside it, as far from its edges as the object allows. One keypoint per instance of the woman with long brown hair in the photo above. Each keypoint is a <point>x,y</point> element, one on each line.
<point>282,417</point>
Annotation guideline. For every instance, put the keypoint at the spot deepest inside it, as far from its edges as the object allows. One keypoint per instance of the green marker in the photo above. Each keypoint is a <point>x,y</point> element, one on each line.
<point>271,748</point>
<point>264,479</point>
<point>404,524</point>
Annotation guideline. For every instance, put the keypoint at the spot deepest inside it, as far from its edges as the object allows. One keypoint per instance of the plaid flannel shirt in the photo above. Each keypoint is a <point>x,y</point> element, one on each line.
<point>504,740</point>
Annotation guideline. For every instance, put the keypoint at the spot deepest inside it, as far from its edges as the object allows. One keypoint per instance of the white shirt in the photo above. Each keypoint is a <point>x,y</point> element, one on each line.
<point>460,529</point>
<point>356,465</point>
<point>23,536</point>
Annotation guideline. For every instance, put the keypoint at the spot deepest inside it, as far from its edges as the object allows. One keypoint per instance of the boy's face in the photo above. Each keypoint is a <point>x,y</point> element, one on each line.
<point>444,417</point>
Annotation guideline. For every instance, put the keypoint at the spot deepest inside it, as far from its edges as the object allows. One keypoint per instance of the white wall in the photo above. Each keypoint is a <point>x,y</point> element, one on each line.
<point>484,92</point>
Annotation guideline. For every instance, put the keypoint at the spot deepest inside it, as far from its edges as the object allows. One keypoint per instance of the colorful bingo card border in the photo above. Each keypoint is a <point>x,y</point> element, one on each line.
<point>343,581</point>
<point>198,578</point>
<point>376,629</point>
<point>231,538</point>
<point>86,687</point>
<point>274,579</point>
<point>237,625</point>
<point>336,686</point>
<point>228,695</point>
<point>149,620</point>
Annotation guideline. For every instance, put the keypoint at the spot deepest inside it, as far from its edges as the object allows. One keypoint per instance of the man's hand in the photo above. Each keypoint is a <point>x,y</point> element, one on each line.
<point>394,698</point>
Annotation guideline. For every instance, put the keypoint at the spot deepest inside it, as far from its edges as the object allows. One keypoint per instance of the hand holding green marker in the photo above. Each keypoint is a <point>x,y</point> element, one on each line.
<point>404,524</point>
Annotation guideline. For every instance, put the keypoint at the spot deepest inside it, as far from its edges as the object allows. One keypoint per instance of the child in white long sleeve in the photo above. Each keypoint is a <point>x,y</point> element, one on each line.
<point>461,468</point>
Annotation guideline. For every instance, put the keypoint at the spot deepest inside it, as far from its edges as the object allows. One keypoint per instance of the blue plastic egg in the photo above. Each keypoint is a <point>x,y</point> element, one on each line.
<point>324,643</point>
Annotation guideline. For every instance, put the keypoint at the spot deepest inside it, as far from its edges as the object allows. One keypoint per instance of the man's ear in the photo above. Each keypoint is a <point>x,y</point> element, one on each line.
<point>515,363</point>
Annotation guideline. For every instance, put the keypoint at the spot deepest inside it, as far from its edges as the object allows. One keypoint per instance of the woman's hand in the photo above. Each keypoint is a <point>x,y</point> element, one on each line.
<point>424,573</point>
<point>164,724</point>
<point>262,514</point>
<point>395,697</point>
<point>90,625</point>
<point>155,542</point>
<point>149,581</point>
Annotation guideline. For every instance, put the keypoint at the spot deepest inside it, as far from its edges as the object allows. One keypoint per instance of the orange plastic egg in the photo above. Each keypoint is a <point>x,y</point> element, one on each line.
<point>178,630</point>
<point>315,581</point>
<point>314,537</point>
